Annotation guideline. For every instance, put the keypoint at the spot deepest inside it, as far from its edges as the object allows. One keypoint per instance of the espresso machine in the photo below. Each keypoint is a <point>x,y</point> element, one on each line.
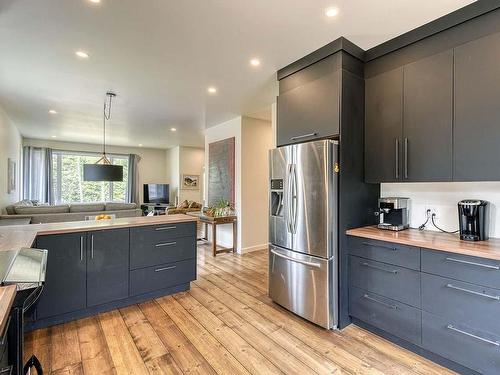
<point>473,217</point>
<point>393,213</point>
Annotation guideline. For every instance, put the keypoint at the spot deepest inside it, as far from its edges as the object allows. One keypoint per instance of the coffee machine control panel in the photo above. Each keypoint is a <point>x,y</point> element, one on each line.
<point>277,184</point>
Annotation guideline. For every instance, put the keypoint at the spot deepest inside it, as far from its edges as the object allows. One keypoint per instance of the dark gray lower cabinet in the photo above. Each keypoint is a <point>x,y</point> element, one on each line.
<point>468,346</point>
<point>65,287</point>
<point>448,306</point>
<point>387,314</point>
<point>107,266</point>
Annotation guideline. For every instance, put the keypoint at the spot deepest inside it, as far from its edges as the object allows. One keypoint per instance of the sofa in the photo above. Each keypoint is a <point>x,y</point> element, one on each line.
<point>184,207</point>
<point>68,212</point>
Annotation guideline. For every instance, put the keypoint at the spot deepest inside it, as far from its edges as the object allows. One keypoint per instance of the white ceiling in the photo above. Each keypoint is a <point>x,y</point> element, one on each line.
<point>161,55</point>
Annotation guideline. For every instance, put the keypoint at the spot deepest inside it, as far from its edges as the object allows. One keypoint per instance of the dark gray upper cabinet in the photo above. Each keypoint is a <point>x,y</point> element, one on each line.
<point>383,126</point>
<point>477,110</point>
<point>65,287</point>
<point>428,119</point>
<point>308,106</point>
<point>107,266</point>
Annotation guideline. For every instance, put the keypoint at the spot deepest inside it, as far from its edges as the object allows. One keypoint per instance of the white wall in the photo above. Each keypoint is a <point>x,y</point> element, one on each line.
<point>152,168</point>
<point>257,140</point>
<point>191,161</point>
<point>443,197</point>
<point>253,139</point>
<point>228,129</point>
<point>10,147</point>
<point>172,155</point>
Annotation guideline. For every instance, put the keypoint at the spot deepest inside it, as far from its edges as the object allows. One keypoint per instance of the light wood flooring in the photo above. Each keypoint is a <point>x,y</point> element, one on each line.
<point>225,324</point>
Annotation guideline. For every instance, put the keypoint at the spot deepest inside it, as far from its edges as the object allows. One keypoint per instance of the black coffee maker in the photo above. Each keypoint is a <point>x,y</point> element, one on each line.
<point>473,217</point>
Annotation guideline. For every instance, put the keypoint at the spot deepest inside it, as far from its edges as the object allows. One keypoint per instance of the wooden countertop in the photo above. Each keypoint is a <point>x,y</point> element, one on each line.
<point>7,294</point>
<point>432,240</point>
<point>15,237</point>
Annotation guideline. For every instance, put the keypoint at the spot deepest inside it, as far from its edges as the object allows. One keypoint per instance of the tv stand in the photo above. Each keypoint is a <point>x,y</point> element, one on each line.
<point>158,208</point>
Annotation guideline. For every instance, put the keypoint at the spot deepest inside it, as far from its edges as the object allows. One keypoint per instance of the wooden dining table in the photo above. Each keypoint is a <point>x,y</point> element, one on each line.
<point>214,222</point>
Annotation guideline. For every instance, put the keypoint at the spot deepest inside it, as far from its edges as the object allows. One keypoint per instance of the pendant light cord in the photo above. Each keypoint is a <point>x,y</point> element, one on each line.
<point>109,97</point>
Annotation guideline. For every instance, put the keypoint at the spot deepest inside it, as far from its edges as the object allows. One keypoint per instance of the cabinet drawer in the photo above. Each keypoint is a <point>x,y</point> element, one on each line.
<point>384,313</point>
<point>398,283</point>
<point>159,233</point>
<point>149,279</point>
<point>173,250</point>
<point>463,302</point>
<point>460,343</point>
<point>475,270</point>
<point>387,252</point>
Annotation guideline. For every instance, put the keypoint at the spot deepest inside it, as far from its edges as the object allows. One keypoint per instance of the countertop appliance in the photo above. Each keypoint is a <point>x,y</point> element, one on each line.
<point>26,269</point>
<point>473,217</point>
<point>394,213</point>
<point>303,230</point>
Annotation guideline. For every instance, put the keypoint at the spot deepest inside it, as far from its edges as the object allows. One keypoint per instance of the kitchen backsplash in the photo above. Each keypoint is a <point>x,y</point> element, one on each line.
<point>443,198</point>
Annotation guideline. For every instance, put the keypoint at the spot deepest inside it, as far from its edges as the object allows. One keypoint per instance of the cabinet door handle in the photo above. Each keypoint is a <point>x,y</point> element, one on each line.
<point>165,228</point>
<point>303,136</point>
<point>479,338</point>
<point>473,263</point>
<point>165,268</point>
<point>81,248</point>
<point>380,246</point>
<point>165,244</point>
<point>394,307</point>
<point>451,286</point>
<point>406,158</point>
<point>92,246</point>
<point>378,268</point>
<point>397,159</point>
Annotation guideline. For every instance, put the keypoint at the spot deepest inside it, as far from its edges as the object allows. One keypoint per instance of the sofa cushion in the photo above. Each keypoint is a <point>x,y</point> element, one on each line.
<point>86,207</point>
<point>58,209</point>
<point>112,206</point>
<point>184,204</point>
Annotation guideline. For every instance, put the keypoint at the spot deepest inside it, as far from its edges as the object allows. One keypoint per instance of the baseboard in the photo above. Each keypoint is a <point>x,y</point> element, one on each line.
<point>254,248</point>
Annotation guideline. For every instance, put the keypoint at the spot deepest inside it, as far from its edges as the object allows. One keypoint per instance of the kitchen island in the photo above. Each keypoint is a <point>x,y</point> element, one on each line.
<point>96,266</point>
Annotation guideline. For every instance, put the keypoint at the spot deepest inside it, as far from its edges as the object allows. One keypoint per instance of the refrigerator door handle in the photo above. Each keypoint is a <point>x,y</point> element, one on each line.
<point>288,198</point>
<point>294,198</point>
<point>309,264</point>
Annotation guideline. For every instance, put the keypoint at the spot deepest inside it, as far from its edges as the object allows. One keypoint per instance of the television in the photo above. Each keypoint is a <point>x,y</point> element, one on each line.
<point>156,193</point>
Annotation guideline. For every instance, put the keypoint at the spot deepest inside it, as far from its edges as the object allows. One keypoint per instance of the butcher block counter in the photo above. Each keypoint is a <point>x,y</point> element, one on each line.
<point>451,243</point>
<point>96,266</point>
<point>14,237</point>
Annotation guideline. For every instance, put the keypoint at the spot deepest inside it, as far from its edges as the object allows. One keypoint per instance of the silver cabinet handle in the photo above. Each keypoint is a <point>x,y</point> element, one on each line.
<point>380,246</point>
<point>366,296</point>
<point>473,263</point>
<point>165,244</point>
<point>378,268</point>
<point>165,268</point>
<point>81,248</point>
<point>303,136</point>
<point>451,286</point>
<point>166,228</point>
<point>406,158</point>
<point>397,158</point>
<point>479,338</point>
<point>310,264</point>
<point>92,246</point>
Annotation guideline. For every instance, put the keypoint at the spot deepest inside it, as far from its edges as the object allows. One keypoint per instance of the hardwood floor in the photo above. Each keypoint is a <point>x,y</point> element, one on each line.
<point>225,324</point>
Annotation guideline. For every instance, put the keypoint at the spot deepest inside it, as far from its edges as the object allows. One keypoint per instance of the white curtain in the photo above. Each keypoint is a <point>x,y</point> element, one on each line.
<point>37,174</point>
<point>133,179</point>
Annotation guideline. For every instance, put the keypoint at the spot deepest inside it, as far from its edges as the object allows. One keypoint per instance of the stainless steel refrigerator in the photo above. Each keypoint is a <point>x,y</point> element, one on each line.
<point>303,229</point>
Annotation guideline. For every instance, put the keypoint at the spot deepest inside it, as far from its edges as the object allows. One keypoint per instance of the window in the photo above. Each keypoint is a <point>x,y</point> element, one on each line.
<point>69,187</point>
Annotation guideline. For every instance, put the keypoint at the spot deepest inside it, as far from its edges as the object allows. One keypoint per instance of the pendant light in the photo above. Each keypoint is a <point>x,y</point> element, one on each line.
<point>103,170</point>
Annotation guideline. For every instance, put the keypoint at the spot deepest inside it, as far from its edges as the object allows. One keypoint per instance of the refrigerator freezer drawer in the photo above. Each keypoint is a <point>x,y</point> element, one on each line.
<point>300,283</point>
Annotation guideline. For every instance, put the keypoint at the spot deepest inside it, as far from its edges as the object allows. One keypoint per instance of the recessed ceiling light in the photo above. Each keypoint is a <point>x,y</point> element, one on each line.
<point>140,144</point>
<point>332,12</point>
<point>52,111</point>
<point>255,62</point>
<point>212,90</point>
<point>82,54</point>
<point>95,1</point>
<point>173,129</point>
<point>54,136</point>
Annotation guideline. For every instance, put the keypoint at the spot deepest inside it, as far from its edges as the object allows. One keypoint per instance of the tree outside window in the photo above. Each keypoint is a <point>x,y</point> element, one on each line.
<point>68,184</point>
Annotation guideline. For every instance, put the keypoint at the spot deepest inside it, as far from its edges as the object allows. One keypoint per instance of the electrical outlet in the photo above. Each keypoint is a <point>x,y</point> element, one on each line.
<point>432,211</point>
